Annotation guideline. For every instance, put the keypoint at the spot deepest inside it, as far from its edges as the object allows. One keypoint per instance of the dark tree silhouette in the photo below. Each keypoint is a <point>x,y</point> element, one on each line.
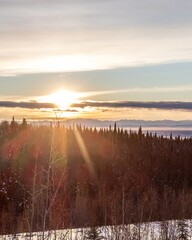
<point>111,177</point>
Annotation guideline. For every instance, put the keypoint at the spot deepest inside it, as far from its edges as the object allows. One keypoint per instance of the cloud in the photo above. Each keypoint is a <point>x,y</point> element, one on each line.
<point>133,104</point>
<point>29,105</point>
<point>67,110</point>
<point>105,34</point>
<point>180,88</point>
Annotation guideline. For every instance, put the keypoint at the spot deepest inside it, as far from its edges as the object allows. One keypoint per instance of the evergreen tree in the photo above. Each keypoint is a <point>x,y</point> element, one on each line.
<point>4,127</point>
<point>140,131</point>
<point>24,124</point>
<point>94,234</point>
<point>13,125</point>
<point>115,127</point>
<point>183,230</point>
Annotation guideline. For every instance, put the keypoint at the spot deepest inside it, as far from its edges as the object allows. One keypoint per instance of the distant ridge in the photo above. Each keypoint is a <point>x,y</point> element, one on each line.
<point>120,123</point>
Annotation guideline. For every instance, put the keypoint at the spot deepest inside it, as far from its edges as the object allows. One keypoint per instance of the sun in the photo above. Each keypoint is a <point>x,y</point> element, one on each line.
<point>62,98</point>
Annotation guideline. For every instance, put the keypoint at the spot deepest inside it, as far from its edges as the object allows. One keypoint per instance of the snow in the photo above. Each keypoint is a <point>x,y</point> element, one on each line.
<point>144,231</point>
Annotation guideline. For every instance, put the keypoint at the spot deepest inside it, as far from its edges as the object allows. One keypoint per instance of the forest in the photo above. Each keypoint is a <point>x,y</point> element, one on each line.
<point>57,177</point>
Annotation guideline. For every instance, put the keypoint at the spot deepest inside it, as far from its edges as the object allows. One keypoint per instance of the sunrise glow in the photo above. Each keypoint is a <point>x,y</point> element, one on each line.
<point>62,99</point>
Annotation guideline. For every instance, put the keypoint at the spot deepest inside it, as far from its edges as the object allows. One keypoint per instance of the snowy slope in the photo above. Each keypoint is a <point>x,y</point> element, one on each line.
<point>146,231</point>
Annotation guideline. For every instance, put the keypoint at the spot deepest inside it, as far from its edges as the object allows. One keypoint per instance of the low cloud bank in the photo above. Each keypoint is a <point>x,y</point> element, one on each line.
<point>102,104</point>
<point>134,104</point>
<point>29,105</point>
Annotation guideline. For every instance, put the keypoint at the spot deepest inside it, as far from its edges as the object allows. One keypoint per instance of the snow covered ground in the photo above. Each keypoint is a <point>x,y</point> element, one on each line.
<point>145,231</point>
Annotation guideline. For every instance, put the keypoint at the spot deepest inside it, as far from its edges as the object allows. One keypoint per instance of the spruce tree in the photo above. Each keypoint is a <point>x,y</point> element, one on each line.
<point>183,230</point>
<point>24,124</point>
<point>94,234</point>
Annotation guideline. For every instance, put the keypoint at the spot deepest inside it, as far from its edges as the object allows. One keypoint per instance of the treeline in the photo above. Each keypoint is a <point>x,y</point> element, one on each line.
<point>52,177</point>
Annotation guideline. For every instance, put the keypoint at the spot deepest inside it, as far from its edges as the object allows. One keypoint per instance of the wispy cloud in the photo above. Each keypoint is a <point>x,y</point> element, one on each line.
<point>80,35</point>
<point>174,89</point>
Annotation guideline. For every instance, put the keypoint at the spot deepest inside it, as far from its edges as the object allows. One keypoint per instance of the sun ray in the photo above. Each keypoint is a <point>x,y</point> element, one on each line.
<point>84,152</point>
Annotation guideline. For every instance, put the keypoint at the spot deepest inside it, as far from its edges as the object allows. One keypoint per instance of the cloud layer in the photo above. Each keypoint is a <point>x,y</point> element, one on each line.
<point>27,105</point>
<point>41,36</point>
<point>134,104</point>
<point>169,105</point>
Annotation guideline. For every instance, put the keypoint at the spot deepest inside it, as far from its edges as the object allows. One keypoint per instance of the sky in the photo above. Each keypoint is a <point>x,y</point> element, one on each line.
<point>103,59</point>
